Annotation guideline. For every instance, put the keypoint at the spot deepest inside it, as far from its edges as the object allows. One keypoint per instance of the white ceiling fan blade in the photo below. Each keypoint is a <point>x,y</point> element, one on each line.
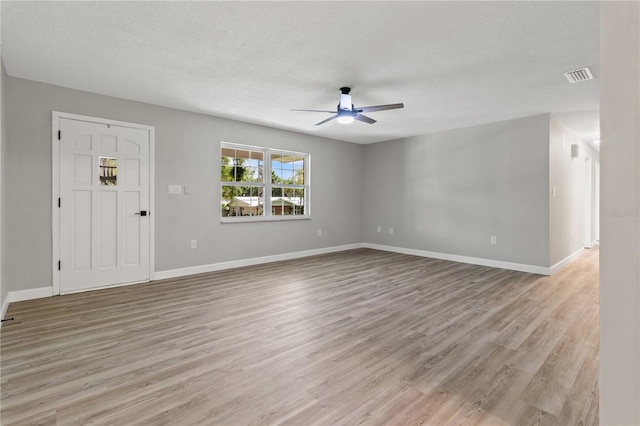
<point>379,107</point>
<point>364,119</point>
<point>313,110</point>
<point>328,119</point>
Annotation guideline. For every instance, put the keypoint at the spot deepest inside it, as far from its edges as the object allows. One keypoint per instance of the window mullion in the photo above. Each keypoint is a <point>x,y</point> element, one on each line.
<point>307,185</point>
<point>267,182</point>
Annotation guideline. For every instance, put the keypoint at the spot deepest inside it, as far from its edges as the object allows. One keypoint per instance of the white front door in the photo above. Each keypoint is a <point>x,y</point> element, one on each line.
<point>104,205</point>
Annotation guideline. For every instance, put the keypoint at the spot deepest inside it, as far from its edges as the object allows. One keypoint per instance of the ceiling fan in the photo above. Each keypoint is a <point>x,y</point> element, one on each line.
<point>346,112</point>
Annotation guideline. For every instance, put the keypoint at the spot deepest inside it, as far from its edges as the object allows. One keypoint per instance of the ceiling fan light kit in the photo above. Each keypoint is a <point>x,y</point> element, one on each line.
<point>345,118</point>
<point>346,112</point>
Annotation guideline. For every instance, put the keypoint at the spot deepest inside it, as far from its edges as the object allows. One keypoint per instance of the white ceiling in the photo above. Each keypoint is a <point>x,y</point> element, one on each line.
<point>453,64</point>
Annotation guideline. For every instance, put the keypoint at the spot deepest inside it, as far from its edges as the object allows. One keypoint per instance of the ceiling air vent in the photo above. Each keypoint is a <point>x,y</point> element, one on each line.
<point>576,76</point>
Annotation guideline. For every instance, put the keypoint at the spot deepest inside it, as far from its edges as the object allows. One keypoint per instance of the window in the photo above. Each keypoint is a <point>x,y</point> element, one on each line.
<point>263,184</point>
<point>108,170</point>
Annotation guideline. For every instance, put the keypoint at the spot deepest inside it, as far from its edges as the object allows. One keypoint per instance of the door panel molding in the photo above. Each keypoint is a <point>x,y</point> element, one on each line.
<point>57,116</point>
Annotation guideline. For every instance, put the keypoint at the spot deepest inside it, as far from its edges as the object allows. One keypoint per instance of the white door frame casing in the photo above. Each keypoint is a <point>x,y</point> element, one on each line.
<point>588,203</point>
<point>55,189</point>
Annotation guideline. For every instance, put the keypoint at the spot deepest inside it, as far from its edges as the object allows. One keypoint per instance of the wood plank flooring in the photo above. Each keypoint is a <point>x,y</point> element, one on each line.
<point>356,337</point>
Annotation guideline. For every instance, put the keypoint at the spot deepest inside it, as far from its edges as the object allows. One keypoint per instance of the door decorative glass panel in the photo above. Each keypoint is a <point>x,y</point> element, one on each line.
<point>108,171</point>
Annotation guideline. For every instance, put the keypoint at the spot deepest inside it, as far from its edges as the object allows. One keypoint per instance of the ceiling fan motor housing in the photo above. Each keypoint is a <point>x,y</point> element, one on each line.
<point>345,99</point>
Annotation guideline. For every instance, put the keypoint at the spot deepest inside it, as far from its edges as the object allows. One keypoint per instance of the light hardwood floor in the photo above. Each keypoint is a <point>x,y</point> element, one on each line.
<point>356,337</point>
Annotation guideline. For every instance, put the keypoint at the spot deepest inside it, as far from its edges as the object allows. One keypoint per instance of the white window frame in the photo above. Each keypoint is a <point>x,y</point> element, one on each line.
<point>267,185</point>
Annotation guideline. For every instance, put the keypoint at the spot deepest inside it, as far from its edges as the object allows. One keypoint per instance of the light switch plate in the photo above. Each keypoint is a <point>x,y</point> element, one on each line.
<point>175,189</point>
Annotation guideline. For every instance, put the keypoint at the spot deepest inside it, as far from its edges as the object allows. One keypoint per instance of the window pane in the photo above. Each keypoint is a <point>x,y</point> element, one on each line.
<point>237,165</point>
<point>276,168</point>
<point>276,161</point>
<point>287,201</point>
<point>240,169</point>
<point>257,156</point>
<point>252,174</point>
<point>298,170</point>
<point>297,199</point>
<point>257,201</point>
<point>230,202</point>
<point>228,194</point>
<point>287,163</point>
<point>226,168</point>
<point>287,176</point>
<point>108,171</point>
<point>277,202</point>
<point>242,153</point>
<point>276,176</point>
<point>227,152</point>
<point>243,191</point>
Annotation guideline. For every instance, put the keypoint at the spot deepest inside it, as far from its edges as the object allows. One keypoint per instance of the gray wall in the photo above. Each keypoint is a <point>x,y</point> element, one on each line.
<point>449,192</point>
<point>3,144</point>
<point>620,234</point>
<point>567,215</point>
<point>187,153</point>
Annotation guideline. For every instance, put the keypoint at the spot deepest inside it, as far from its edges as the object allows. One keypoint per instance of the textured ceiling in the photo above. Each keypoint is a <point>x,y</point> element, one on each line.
<point>453,64</point>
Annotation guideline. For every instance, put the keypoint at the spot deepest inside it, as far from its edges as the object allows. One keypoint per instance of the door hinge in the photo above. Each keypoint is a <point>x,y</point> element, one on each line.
<point>59,135</point>
<point>59,265</point>
<point>59,202</point>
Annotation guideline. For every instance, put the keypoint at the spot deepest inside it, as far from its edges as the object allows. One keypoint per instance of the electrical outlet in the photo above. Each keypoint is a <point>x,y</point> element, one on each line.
<point>175,189</point>
<point>390,231</point>
<point>319,232</point>
<point>379,228</point>
<point>194,244</point>
<point>493,239</point>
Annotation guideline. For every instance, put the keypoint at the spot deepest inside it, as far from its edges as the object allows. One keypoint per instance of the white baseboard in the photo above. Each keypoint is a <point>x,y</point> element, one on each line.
<point>464,259</point>
<point>555,268</point>
<point>32,293</point>
<point>36,293</point>
<point>104,287</point>
<point>21,295</point>
<point>174,273</point>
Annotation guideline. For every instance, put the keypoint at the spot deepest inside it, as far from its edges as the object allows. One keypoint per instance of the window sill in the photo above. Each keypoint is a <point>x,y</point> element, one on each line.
<point>245,219</point>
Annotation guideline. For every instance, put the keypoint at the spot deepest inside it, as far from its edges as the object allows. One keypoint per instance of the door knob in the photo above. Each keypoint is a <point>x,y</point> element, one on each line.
<point>141,213</point>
